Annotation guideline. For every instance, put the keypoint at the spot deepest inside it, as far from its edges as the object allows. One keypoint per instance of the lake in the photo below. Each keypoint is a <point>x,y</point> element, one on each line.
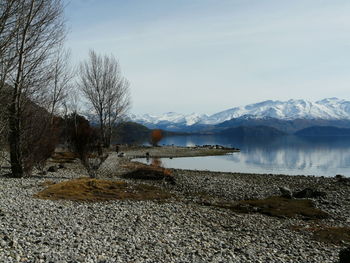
<point>320,156</point>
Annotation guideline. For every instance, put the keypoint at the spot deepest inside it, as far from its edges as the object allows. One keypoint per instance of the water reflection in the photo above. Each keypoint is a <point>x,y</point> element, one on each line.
<point>325,156</point>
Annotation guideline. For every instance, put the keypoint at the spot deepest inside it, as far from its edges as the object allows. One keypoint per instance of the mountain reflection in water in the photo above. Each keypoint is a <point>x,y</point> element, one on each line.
<point>321,156</point>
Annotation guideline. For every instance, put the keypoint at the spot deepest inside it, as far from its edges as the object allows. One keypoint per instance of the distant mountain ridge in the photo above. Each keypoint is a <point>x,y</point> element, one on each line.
<point>291,114</point>
<point>257,131</point>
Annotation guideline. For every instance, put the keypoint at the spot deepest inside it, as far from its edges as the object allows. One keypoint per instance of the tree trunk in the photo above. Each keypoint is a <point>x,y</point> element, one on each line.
<point>15,143</point>
<point>103,131</point>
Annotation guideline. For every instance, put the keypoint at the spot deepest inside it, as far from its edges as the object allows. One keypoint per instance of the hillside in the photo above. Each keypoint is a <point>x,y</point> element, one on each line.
<point>256,131</point>
<point>130,133</point>
<point>287,126</point>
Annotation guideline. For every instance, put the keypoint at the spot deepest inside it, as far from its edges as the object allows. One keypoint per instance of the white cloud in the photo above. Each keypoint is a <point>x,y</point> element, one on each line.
<point>244,50</point>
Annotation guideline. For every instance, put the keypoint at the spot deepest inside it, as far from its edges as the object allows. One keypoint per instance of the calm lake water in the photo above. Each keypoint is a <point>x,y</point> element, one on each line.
<point>322,156</point>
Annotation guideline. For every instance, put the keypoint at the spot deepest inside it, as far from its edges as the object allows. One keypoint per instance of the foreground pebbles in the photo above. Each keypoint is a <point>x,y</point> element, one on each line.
<point>34,230</point>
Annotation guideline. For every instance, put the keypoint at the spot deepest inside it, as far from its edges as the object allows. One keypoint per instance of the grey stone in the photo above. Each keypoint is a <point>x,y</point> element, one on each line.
<point>286,192</point>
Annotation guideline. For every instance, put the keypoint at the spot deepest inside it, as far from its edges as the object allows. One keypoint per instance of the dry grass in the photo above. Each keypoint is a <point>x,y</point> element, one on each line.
<point>46,183</point>
<point>335,235</point>
<point>132,165</point>
<point>63,157</point>
<point>327,234</point>
<point>95,190</point>
<point>279,207</point>
<point>153,172</point>
<point>150,173</point>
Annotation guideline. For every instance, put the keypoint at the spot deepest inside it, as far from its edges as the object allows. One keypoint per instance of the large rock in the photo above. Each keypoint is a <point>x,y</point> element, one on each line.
<point>344,255</point>
<point>342,179</point>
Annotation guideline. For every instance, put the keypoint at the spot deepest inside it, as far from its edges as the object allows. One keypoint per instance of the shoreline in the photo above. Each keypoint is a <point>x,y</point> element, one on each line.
<point>174,151</point>
<point>184,152</point>
<point>196,225</point>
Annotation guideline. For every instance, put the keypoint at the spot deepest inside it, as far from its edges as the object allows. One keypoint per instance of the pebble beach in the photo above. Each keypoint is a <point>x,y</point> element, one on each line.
<point>189,227</point>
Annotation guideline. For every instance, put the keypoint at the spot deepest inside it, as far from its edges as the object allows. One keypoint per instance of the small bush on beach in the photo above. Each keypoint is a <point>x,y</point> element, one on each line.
<point>85,141</point>
<point>95,190</point>
<point>153,172</point>
<point>156,137</point>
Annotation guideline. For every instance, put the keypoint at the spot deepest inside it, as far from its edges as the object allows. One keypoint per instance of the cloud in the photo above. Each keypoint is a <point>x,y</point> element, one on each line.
<point>245,50</point>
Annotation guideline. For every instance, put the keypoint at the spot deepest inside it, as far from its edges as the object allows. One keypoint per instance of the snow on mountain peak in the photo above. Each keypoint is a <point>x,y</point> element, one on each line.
<point>329,108</point>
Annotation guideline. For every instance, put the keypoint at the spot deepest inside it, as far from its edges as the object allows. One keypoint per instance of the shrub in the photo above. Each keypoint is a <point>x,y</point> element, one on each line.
<point>39,138</point>
<point>85,142</point>
<point>156,136</point>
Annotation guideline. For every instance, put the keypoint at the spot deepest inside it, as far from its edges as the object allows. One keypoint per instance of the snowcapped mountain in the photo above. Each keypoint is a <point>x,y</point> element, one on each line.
<point>326,109</point>
<point>169,117</point>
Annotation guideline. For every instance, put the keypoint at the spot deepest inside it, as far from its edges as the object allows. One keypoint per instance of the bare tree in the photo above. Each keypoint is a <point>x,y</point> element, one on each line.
<point>36,31</point>
<point>102,84</point>
<point>8,21</point>
<point>8,9</point>
<point>61,79</point>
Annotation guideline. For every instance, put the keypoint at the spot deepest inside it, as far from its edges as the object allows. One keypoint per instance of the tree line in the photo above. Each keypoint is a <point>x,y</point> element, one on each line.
<point>40,92</point>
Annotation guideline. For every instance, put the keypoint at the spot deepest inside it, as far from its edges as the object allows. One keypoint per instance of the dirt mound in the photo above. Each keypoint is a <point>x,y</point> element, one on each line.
<point>94,190</point>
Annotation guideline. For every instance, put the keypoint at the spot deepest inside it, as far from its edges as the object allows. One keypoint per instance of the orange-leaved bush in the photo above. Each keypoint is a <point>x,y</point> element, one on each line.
<point>156,136</point>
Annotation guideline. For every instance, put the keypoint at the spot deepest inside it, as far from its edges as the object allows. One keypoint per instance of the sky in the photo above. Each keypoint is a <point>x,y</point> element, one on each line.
<point>206,56</point>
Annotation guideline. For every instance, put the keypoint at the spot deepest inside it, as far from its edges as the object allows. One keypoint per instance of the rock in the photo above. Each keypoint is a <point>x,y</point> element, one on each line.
<point>286,192</point>
<point>61,166</point>
<point>342,179</point>
<point>52,169</point>
<point>339,176</point>
<point>121,155</point>
<point>309,193</point>
<point>194,226</point>
<point>2,214</point>
<point>344,255</point>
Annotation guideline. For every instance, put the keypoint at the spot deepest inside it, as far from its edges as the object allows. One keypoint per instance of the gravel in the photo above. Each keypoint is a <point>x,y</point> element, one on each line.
<point>180,230</point>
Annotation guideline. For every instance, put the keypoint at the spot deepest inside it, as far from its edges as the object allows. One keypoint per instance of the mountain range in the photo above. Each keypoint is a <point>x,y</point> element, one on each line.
<point>287,116</point>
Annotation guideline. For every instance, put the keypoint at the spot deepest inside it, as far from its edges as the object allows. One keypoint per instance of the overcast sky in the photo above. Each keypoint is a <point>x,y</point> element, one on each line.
<point>210,55</point>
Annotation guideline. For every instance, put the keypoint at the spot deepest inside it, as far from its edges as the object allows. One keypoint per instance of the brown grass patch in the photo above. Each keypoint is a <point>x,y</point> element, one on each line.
<point>150,173</point>
<point>64,157</point>
<point>327,234</point>
<point>280,207</point>
<point>133,165</point>
<point>46,183</point>
<point>335,235</point>
<point>94,190</point>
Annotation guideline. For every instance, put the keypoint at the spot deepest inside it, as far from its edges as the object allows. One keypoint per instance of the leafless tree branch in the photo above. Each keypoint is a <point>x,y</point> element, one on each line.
<point>101,82</point>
